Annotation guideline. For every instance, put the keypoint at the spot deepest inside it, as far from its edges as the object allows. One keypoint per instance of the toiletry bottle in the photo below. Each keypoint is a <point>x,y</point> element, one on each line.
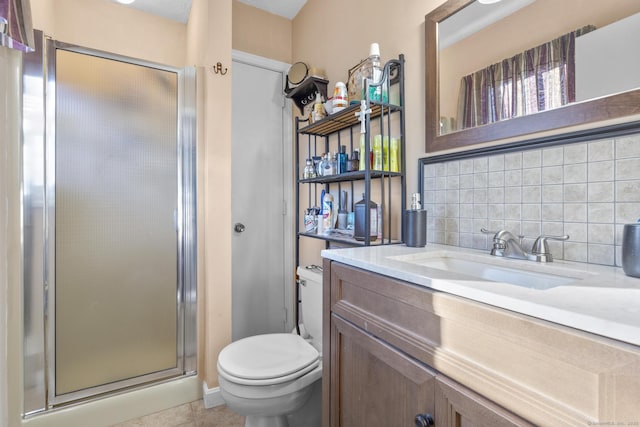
<point>363,157</point>
<point>415,219</point>
<point>361,209</point>
<point>318,112</point>
<point>385,153</point>
<point>333,162</point>
<point>377,153</point>
<point>394,155</point>
<point>309,170</point>
<point>342,159</point>
<point>340,100</point>
<point>342,211</point>
<point>326,166</point>
<point>328,216</point>
<point>353,164</point>
<point>373,71</point>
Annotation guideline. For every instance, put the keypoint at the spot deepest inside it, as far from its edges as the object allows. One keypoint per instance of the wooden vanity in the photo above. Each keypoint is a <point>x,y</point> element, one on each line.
<point>401,354</point>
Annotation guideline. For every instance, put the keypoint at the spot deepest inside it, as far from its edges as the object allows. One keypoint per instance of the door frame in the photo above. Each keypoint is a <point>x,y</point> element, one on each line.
<point>287,152</point>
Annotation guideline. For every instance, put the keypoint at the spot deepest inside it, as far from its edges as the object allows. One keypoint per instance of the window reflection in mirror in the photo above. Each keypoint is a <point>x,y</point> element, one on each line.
<point>587,65</point>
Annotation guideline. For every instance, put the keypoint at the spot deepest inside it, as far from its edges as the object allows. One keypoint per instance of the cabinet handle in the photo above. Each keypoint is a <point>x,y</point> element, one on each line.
<point>424,420</point>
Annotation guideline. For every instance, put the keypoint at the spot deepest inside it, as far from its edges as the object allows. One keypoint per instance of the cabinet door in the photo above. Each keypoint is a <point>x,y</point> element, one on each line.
<point>373,384</point>
<point>457,406</point>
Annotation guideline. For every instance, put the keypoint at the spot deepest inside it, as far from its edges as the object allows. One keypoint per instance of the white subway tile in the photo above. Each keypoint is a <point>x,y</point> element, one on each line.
<point>531,228</point>
<point>552,212</point>
<point>553,156</point>
<point>601,233</point>
<point>453,168</point>
<point>532,176</point>
<point>628,146</point>
<point>513,178</point>
<point>575,212</point>
<point>466,210</point>
<point>601,212</point>
<point>600,171</point>
<point>531,194</point>
<point>628,169</point>
<point>601,191</point>
<point>512,212</point>
<point>577,231</point>
<point>600,150</point>
<point>575,153</point>
<point>495,211</point>
<point>627,213</point>
<point>453,182</point>
<point>575,193</point>
<point>513,161</point>
<point>496,163</point>
<point>552,193</point>
<point>552,228</point>
<point>601,254</point>
<point>513,195</point>
<point>495,195</point>
<point>531,159</point>
<point>575,173</point>
<point>495,179</point>
<point>480,164</point>
<point>531,212</point>
<point>575,251</point>
<point>480,180</point>
<point>466,166</point>
<point>466,181</point>
<point>552,175</point>
<point>466,196</point>
<point>628,191</point>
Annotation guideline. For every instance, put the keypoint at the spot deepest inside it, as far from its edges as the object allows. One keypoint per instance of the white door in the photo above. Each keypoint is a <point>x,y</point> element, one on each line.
<point>260,282</point>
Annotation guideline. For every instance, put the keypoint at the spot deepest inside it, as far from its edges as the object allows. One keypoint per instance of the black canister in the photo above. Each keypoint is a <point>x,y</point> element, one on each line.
<point>416,228</point>
<point>415,219</point>
<point>631,250</point>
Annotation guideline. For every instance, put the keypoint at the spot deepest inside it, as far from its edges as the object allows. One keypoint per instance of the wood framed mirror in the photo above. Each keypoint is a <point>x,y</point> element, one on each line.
<point>616,107</point>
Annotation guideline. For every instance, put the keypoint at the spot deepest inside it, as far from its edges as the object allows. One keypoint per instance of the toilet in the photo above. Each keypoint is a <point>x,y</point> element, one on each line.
<point>270,378</point>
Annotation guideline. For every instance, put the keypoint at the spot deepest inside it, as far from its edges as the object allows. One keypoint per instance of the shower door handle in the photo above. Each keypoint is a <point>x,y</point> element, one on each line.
<point>239,227</point>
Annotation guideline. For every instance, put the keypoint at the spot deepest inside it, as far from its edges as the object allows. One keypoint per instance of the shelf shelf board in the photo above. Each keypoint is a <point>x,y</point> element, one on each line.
<point>344,119</point>
<point>350,240</point>
<point>349,176</point>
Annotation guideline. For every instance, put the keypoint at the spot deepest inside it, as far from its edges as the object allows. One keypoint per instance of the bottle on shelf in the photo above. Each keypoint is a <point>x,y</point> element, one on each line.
<point>309,170</point>
<point>353,164</point>
<point>328,216</point>
<point>373,71</point>
<point>377,153</point>
<point>394,155</point>
<point>342,159</point>
<point>318,112</point>
<point>361,209</point>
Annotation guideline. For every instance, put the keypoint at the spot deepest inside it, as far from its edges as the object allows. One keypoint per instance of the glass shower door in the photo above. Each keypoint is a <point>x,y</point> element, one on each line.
<point>113,205</point>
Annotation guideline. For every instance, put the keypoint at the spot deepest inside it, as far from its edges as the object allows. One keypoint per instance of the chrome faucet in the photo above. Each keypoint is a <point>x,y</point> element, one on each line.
<point>506,245</point>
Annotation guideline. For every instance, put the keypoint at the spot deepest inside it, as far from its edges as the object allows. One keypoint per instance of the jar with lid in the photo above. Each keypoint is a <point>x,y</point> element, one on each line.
<point>309,170</point>
<point>340,97</point>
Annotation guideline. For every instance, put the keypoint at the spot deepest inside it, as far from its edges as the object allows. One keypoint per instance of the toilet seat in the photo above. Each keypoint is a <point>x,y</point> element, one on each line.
<point>267,359</point>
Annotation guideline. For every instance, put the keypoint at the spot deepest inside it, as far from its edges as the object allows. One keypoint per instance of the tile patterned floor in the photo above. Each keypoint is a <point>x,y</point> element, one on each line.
<point>192,414</point>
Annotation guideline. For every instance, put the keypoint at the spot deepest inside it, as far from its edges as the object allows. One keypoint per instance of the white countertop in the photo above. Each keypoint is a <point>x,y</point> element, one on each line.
<point>600,299</point>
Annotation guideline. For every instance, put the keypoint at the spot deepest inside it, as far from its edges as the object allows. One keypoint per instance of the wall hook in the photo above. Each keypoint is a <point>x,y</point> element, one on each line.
<point>218,69</point>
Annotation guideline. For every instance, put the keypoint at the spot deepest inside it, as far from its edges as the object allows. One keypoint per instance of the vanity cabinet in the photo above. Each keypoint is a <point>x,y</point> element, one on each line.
<point>381,181</point>
<point>394,350</point>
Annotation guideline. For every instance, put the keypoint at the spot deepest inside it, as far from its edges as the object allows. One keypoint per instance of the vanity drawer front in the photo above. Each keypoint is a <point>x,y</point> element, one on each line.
<point>398,312</point>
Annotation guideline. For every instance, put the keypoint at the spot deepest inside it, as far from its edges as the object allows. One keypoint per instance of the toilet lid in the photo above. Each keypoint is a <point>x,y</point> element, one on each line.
<point>267,356</point>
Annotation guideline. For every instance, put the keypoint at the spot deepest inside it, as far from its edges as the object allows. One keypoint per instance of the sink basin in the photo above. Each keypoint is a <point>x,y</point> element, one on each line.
<point>487,268</point>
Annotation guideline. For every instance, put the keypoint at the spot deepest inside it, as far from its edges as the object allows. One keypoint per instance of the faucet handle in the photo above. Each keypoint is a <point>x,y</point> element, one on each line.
<point>541,249</point>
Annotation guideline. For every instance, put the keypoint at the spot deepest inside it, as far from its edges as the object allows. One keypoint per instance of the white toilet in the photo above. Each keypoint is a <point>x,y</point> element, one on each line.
<point>268,377</point>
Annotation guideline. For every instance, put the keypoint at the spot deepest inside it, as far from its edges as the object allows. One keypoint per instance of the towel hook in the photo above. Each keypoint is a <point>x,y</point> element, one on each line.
<point>218,69</point>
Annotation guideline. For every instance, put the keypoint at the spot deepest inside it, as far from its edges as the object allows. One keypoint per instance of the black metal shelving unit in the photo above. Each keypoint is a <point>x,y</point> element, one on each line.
<point>343,128</point>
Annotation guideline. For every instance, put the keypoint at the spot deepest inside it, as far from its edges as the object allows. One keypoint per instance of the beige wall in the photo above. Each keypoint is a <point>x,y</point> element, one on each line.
<point>209,40</point>
<point>261,33</point>
<point>111,27</point>
<point>335,35</point>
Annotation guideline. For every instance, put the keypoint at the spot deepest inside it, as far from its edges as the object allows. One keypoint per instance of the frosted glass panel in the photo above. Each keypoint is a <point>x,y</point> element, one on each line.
<point>116,246</point>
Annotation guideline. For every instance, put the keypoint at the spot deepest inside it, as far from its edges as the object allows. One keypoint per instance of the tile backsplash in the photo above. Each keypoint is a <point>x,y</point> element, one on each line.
<point>587,190</point>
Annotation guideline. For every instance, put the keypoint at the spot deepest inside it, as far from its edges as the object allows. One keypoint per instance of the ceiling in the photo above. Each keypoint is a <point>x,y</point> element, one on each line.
<point>178,10</point>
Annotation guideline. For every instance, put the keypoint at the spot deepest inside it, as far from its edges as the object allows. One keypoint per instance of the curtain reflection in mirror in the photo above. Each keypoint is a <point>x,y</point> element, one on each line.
<point>538,79</point>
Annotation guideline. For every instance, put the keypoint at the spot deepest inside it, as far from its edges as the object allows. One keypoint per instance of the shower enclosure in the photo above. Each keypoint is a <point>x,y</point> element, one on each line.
<point>108,224</point>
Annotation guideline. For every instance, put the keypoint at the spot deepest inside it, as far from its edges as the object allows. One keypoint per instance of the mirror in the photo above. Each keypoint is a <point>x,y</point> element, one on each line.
<point>457,46</point>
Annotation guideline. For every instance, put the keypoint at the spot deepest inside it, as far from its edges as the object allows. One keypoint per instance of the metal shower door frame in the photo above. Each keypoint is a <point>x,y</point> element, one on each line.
<point>43,396</point>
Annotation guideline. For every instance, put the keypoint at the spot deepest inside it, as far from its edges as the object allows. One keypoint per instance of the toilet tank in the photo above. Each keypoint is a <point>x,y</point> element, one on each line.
<point>311,303</point>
